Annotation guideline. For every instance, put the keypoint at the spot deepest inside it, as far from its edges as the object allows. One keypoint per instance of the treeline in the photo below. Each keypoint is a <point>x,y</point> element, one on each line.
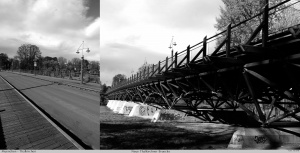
<point>103,96</point>
<point>27,54</point>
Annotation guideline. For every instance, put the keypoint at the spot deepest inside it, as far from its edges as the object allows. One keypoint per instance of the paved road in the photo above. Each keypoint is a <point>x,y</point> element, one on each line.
<point>75,83</point>
<point>75,109</point>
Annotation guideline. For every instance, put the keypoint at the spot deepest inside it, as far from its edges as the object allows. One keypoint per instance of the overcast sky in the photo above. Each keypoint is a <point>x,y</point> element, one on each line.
<point>57,27</point>
<point>133,31</point>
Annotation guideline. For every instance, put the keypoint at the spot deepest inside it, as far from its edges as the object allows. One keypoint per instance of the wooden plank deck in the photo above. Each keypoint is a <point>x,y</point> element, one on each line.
<point>23,127</point>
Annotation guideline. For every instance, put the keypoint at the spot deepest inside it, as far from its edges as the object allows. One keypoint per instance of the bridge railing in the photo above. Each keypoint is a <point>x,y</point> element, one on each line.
<point>197,52</point>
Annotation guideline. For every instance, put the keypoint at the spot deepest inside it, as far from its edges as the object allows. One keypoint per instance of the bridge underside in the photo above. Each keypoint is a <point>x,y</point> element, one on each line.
<point>248,84</point>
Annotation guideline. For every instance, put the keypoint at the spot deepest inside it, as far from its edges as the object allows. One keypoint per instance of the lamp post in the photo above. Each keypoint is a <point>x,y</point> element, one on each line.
<point>172,44</point>
<point>65,70</point>
<point>81,47</point>
<point>74,71</point>
<point>34,60</point>
<point>19,66</point>
<point>12,65</point>
<point>99,73</point>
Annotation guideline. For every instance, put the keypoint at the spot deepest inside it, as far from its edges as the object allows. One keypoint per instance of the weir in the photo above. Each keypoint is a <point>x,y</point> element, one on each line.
<point>243,138</point>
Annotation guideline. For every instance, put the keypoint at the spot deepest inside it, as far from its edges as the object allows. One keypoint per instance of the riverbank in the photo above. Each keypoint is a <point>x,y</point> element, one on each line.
<point>121,132</point>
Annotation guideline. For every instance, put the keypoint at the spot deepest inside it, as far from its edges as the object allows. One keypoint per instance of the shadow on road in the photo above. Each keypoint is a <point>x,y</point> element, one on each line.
<point>37,86</point>
<point>6,89</point>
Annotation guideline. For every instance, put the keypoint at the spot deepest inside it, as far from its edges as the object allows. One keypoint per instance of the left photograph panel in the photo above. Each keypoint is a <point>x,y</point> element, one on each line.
<point>49,74</point>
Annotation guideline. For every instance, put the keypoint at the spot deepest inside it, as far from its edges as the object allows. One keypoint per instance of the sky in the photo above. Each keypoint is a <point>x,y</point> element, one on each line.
<point>135,31</point>
<point>57,27</point>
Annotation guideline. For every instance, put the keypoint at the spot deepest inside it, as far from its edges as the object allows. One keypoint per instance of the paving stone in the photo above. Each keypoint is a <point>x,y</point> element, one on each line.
<point>42,135</point>
<point>38,142</point>
<point>54,145</point>
<point>65,146</point>
<point>72,147</point>
<point>17,142</point>
<point>62,140</point>
<point>44,145</point>
<point>25,131</point>
<point>11,124</point>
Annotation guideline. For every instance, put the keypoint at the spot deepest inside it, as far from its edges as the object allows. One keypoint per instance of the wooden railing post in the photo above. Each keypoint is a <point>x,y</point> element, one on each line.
<point>158,70</point>
<point>130,80</point>
<point>148,71</point>
<point>140,75</point>
<point>166,64</point>
<point>175,63</point>
<point>204,47</point>
<point>144,73</point>
<point>188,55</point>
<point>228,39</point>
<point>172,58</point>
<point>152,69</point>
<point>265,24</point>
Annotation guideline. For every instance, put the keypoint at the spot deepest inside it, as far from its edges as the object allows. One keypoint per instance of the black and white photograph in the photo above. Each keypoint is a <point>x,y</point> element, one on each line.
<point>49,75</point>
<point>176,75</point>
<point>194,75</point>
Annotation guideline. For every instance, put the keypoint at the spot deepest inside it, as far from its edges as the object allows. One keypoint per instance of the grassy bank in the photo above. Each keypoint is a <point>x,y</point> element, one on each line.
<point>121,132</point>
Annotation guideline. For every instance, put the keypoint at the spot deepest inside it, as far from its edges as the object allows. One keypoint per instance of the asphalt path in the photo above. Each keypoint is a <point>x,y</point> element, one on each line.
<point>77,110</point>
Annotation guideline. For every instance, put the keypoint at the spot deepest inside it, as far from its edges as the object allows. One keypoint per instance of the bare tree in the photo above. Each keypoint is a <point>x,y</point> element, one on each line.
<point>118,79</point>
<point>62,62</point>
<point>27,53</point>
<point>236,11</point>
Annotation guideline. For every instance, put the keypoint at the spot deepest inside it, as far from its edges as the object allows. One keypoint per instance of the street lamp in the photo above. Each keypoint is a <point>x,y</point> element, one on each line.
<point>34,60</point>
<point>19,66</point>
<point>82,57</point>
<point>172,44</point>
<point>12,65</point>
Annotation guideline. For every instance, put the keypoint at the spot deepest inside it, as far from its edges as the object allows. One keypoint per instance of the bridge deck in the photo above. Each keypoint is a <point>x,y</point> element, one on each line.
<point>23,127</point>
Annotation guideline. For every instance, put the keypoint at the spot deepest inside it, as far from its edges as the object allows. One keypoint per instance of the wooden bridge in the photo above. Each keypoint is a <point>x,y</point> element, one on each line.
<point>254,83</point>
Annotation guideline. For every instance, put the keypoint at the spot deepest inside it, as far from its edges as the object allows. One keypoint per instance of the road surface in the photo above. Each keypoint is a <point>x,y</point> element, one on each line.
<point>77,110</point>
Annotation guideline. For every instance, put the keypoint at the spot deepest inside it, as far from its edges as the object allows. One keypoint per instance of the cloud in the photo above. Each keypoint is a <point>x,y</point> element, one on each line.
<point>123,59</point>
<point>57,27</point>
<point>93,30</point>
<point>133,30</point>
<point>182,14</point>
